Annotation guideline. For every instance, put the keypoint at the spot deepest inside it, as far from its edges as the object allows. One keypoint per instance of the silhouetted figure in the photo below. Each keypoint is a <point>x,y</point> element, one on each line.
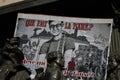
<point>71,68</point>
<point>11,68</point>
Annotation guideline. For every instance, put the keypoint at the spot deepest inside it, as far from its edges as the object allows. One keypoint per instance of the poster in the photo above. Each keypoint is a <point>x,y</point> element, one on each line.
<point>83,42</point>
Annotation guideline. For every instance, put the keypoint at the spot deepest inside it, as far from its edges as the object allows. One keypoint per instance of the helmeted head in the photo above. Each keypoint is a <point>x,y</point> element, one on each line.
<point>13,42</point>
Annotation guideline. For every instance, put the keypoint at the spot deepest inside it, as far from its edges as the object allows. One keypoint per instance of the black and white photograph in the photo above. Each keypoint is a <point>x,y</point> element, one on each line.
<point>66,48</point>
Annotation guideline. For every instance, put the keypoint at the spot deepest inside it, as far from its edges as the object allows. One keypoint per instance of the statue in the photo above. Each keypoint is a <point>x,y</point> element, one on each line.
<point>11,50</point>
<point>11,57</point>
<point>113,72</point>
<point>55,64</point>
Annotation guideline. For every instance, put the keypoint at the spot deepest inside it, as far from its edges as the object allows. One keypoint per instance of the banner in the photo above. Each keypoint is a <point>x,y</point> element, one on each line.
<point>79,46</point>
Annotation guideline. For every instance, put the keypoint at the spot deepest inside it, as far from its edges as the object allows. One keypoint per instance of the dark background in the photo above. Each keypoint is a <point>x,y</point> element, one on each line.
<point>73,8</point>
